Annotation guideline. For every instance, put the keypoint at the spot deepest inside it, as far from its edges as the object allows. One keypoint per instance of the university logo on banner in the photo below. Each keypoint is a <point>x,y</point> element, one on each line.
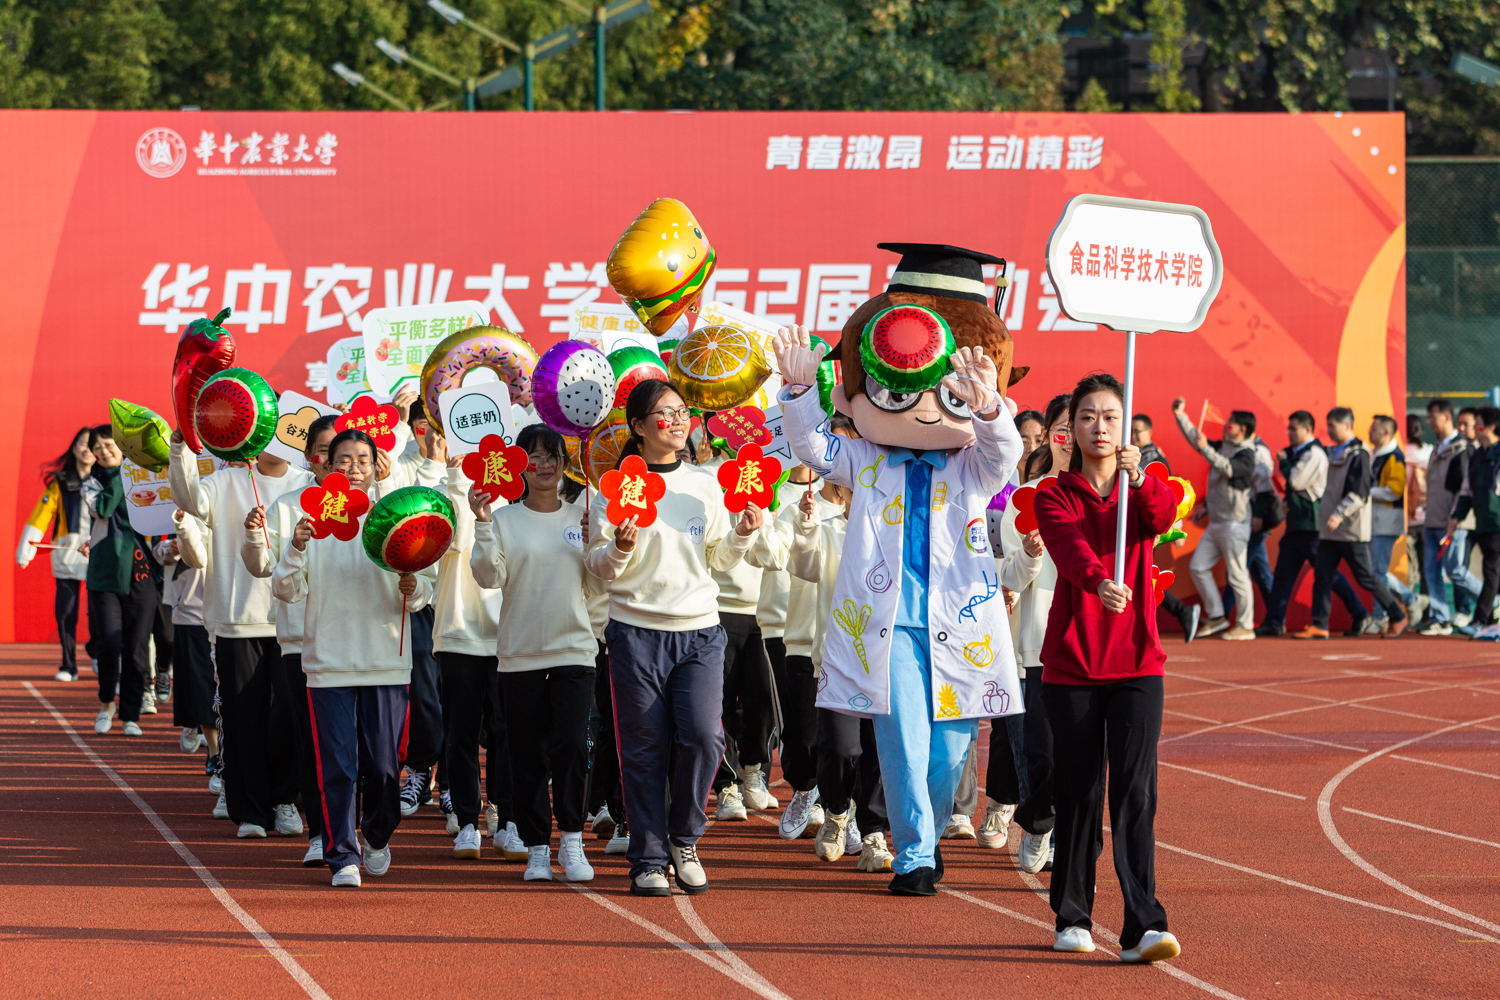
<point>161,152</point>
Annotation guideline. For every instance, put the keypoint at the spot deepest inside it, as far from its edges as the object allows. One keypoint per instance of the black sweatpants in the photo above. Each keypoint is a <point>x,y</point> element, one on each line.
<point>358,732</point>
<point>848,767</point>
<point>1489,544</point>
<point>247,679</point>
<point>122,623</point>
<point>1296,549</point>
<point>164,634</point>
<point>424,739</point>
<point>193,679</point>
<point>1357,555</point>
<point>748,714</point>
<point>471,703</point>
<point>1004,781</point>
<point>1036,815</point>
<point>291,684</point>
<point>65,612</point>
<point>604,785</point>
<point>547,720</point>
<point>799,721</point>
<point>1091,724</point>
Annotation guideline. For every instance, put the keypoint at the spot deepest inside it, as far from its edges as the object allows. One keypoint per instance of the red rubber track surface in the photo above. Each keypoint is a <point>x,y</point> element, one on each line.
<point>1280,877</point>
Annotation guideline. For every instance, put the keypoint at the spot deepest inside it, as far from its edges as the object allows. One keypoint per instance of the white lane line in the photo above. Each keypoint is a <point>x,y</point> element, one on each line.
<point>1325,818</point>
<point>1308,708</point>
<point>1447,767</point>
<point>751,982</point>
<point>1232,781</point>
<point>1424,829</point>
<point>685,907</point>
<point>290,964</point>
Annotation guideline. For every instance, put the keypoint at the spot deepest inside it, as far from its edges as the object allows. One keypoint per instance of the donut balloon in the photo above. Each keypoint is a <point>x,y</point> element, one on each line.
<point>633,365</point>
<point>492,347</point>
<point>661,264</point>
<point>601,451</point>
<point>410,529</point>
<point>236,414</point>
<point>573,387</point>
<point>717,368</point>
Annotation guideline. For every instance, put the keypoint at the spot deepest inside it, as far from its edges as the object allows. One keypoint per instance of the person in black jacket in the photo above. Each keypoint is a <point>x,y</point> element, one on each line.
<point>1478,493</point>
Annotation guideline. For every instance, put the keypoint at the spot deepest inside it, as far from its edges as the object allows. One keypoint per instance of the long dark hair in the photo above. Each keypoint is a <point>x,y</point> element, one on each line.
<point>1094,382</point>
<point>533,436</point>
<point>1039,462</point>
<point>62,468</point>
<point>638,406</point>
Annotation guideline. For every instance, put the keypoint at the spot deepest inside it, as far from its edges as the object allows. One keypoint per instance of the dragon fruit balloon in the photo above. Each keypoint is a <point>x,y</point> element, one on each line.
<point>573,387</point>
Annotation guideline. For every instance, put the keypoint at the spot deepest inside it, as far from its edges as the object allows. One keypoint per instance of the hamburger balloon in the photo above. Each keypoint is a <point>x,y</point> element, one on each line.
<point>661,264</point>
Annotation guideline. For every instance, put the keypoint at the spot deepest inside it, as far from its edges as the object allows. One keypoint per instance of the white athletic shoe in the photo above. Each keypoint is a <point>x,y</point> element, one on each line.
<point>575,864</point>
<point>104,719</point>
<point>451,826</point>
<point>874,856</point>
<point>853,839</point>
<point>377,863</point>
<point>491,820</point>
<point>1034,852</point>
<point>148,702</point>
<point>216,783</point>
<point>691,878</point>
<point>132,729</point>
<point>757,792</point>
<point>798,815</point>
<point>314,857</point>
<point>651,882</point>
<point>731,805</point>
<point>620,842</point>
<point>1076,939</point>
<point>829,843</point>
<point>995,830</point>
<point>346,877</point>
<point>221,808</point>
<point>288,823</point>
<point>251,831</point>
<point>602,824</point>
<point>959,828</point>
<point>1460,620</point>
<point>1154,946</point>
<point>538,864</point>
<point>65,677</point>
<point>509,845</point>
<point>466,844</point>
<point>188,741</point>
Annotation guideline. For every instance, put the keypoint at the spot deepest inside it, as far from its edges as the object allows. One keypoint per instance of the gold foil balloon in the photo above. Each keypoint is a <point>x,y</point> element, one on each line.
<point>141,435</point>
<point>717,368</point>
<point>601,452</point>
<point>574,471</point>
<point>661,264</point>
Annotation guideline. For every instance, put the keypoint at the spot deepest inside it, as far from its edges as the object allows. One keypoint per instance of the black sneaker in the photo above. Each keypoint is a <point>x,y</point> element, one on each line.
<point>1269,631</point>
<point>917,882</point>
<point>212,766</point>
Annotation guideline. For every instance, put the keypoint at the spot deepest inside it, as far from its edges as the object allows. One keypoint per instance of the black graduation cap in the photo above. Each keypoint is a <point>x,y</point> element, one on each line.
<point>948,271</point>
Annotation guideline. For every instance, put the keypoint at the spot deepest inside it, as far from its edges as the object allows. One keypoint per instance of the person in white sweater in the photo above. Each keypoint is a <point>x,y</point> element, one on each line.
<point>533,552</point>
<point>260,777</point>
<point>357,668</point>
<point>666,645</point>
<point>182,557</point>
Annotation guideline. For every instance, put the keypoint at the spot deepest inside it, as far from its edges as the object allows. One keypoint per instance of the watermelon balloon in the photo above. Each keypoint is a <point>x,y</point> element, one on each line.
<point>573,387</point>
<point>206,349</point>
<point>906,348</point>
<point>141,435</point>
<point>410,529</point>
<point>633,365</point>
<point>236,414</point>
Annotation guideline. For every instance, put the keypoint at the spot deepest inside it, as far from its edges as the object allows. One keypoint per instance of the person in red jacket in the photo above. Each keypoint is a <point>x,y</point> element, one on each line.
<point>1102,675</point>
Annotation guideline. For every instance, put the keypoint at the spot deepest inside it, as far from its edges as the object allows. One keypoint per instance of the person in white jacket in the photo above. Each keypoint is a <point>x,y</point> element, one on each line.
<point>182,557</point>
<point>357,668</point>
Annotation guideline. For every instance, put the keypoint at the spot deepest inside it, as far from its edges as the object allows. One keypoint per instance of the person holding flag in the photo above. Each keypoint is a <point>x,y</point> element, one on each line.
<point>1227,508</point>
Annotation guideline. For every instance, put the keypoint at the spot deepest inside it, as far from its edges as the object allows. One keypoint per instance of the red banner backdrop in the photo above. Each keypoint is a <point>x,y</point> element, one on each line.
<point>120,227</point>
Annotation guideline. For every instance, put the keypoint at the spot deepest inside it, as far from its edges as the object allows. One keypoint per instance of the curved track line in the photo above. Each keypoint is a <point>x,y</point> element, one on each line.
<point>251,925</point>
<point>685,907</point>
<point>1325,818</point>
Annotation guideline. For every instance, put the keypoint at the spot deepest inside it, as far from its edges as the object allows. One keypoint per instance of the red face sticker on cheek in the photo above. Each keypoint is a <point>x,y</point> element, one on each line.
<point>421,431</point>
<point>1060,438</point>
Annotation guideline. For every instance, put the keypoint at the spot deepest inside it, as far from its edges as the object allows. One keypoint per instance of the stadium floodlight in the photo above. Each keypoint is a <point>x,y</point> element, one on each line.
<point>403,57</point>
<point>355,79</point>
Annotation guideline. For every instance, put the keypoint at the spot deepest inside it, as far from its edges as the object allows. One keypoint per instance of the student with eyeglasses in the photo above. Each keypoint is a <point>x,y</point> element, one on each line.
<point>666,645</point>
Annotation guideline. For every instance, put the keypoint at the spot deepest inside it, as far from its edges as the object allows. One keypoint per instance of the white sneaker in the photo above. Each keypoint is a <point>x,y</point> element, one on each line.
<point>995,830</point>
<point>1154,946</point>
<point>509,845</point>
<point>491,820</point>
<point>651,882</point>
<point>829,843</point>
<point>602,824</point>
<point>815,817</point>
<point>691,878</point>
<point>959,828</point>
<point>1418,607</point>
<point>221,808</point>
<point>1074,939</point>
<point>104,719</point>
<point>731,805</point>
<point>251,831</point>
<point>756,791</point>
<point>451,826</point>
<point>874,856</point>
<point>620,842</point>
<point>314,857</point>
<point>65,677</point>
<point>798,814</point>
<point>132,729</point>
<point>346,877</point>
<point>1034,852</point>
<point>216,784</point>
<point>377,863</point>
<point>538,864</point>
<point>288,823</point>
<point>466,844</point>
<point>853,839</point>
<point>148,702</point>
<point>188,741</point>
<point>575,864</point>
<point>1459,621</point>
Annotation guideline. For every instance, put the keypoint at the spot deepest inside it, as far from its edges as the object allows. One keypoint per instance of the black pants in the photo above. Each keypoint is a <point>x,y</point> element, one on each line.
<point>604,769</point>
<point>1299,548</point>
<point>1003,780</point>
<point>122,624</point>
<point>248,669</point>
<point>1357,555</point>
<point>748,714</point>
<point>193,680</point>
<point>848,767</point>
<point>291,684</point>
<point>547,719</point>
<point>164,634</point>
<point>799,721</point>
<point>1118,723</point>
<point>424,731</point>
<point>1036,814</point>
<point>471,703</point>
<point>1489,544</point>
<point>65,611</point>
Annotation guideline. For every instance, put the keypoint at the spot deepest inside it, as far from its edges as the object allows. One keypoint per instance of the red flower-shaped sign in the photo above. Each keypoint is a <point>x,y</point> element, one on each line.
<point>1161,582</point>
<point>1159,470</point>
<point>375,420</point>
<point>496,468</point>
<point>632,490</point>
<point>749,477</point>
<point>1023,499</point>
<point>335,507</point>
<point>741,426</point>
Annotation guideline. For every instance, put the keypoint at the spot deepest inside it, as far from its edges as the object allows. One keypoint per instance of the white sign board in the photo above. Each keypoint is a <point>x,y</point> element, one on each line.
<point>148,496</point>
<point>609,326</point>
<point>398,340</point>
<point>346,373</point>
<point>778,446</point>
<point>470,412</point>
<point>296,413</point>
<point>1138,266</point>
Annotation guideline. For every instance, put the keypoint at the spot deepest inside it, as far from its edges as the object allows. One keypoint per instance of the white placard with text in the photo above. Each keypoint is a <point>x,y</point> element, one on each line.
<point>472,411</point>
<point>148,496</point>
<point>296,412</point>
<point>399,339</point>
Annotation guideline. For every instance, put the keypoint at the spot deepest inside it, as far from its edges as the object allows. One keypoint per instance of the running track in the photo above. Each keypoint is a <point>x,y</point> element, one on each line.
<point>1326,830</point>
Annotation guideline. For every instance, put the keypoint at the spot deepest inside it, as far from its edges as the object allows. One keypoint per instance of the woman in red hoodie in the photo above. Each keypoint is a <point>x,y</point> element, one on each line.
<point>1102,674</point>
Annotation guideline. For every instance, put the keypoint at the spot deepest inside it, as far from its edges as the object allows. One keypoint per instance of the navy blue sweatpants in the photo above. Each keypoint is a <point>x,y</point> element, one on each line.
<point>668,688</point>
<point>359,733</point>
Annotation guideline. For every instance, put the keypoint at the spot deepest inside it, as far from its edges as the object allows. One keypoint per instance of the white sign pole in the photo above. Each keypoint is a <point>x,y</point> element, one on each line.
<point>1124,484</point>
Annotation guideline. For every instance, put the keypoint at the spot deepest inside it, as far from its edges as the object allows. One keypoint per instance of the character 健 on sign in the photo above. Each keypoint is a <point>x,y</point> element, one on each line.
<point>335,507</point>
<point>632,491</point>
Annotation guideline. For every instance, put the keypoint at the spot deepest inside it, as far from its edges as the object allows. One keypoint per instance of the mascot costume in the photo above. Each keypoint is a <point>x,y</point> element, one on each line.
<point>917,640</point>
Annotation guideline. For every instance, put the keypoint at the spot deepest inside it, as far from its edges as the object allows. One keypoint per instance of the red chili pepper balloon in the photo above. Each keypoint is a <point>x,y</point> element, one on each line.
<point>206,349</point>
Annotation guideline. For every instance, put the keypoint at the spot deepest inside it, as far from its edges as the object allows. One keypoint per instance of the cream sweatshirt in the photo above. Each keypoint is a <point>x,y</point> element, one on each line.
<point>810,552</point>
<point>182,574</point>
<point>775,585</point>
<point>1032,580</point>
<point>281,520</point>
<point>235,603</point>
<point>666,582</point>
<point>353,635</point>
<point>465,613</point>
<point>739,585</point>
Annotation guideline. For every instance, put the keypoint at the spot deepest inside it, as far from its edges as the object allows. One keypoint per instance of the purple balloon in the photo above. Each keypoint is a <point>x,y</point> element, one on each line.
<point>573,387</point>
<point>1002,499</point>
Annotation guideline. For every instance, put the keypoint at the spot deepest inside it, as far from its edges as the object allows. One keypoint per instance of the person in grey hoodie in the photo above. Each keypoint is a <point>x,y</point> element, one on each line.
<point>1231,471</point>
<point>1444,479</point>
<point>1345,532</point>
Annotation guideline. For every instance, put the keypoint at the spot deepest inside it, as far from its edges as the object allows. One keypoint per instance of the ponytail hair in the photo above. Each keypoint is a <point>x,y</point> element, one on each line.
<point>639,406</point>
<point>1094,382</point>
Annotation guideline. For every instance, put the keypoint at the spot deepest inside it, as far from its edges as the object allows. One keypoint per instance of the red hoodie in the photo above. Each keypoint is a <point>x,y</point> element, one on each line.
<point>1086,644</point>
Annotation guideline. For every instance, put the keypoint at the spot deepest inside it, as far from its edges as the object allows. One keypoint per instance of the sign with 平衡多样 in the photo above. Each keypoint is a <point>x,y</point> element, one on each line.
<point>472,412</point>
<point>399,339</point>
<point>346,373</point>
